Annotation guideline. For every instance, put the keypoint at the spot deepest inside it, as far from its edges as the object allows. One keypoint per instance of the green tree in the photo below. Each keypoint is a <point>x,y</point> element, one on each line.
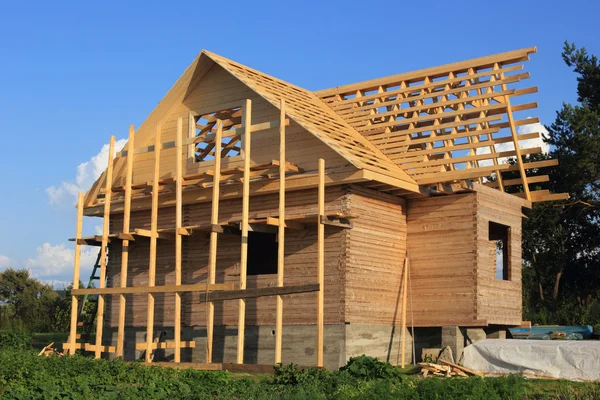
<point>32,303</point>
<point>561,240</point>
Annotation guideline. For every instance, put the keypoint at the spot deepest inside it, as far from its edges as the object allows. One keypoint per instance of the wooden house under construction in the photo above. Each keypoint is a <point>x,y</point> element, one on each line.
<point>250,221</point>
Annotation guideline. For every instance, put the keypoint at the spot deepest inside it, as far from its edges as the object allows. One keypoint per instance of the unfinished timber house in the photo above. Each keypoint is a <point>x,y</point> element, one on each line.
<point>249,221</point>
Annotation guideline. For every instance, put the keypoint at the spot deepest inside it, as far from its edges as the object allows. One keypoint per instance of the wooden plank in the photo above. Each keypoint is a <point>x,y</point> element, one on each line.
<point>280,235</point>
<point>404,296</point>
<point>156,235</point>
<point>125,244</point>
<point>551,197</point>
<point>321,263</point>
<point>212,253</point>
<point>76,272</point>
<point>195,287</point>
<point>260,292</point>
<point>178,238</point>
<point>467,370</point>
<point>153,237</point>
<point>535,165</point>
<point>246,139</point>
<point>460,174</point>
<point>167,345</point>
<point>104,248</point>
<point>514,134</point>
<point>519,181</point>
<point>503,58</point>
<point>290,224</point>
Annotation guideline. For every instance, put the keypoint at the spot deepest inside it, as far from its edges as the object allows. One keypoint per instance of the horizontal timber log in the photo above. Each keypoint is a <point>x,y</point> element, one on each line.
<point>260,292</point>
<point>197,287</point>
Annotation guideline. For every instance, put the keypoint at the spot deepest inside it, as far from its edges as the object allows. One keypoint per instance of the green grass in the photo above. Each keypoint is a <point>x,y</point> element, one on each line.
<point>24,375</point>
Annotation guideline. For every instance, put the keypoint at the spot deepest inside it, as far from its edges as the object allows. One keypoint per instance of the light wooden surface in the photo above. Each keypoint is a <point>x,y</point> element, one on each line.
<point>212,253</point>
<point>321,266</point>
<point>280,236</point>
<point>104,248</point>
<point>125,244</point>
<point>404,297</point>
<point>153,239</point>
<point>246,142</point>
<point>76,274</point>
<point>178,238</point>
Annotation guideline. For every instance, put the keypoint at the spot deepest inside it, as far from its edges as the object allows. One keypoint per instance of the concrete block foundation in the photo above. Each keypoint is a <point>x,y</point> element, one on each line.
<point>342,341</point>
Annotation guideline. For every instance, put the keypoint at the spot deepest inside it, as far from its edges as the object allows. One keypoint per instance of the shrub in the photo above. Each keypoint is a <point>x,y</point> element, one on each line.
<point>368,368</point>
<point>15,340</point>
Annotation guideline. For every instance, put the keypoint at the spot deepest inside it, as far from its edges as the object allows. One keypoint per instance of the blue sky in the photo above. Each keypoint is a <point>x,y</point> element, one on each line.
<point>72,73</point>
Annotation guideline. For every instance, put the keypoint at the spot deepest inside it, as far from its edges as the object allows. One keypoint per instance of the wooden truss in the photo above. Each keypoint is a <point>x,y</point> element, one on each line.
<point>209,291</point>
<point>447,124</point>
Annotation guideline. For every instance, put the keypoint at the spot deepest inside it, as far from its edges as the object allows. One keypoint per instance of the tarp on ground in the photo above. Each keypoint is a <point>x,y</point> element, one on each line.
<point>564,359</point>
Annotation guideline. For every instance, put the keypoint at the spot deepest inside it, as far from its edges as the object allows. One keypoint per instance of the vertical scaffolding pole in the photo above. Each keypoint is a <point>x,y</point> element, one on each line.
<point>105,228</point>
<point>125,243</point>
<point>74,299</point>
<point>404,293</point>
<point>247,123</point>
<point>212,251</point>
<point>280,234</point>
<point>153,238</point>
<point>178,238</point>
<point>321,263</point>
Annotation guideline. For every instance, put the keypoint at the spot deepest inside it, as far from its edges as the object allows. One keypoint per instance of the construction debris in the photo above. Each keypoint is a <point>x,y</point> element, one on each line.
<point>49,351</point>
<point>447,370</point>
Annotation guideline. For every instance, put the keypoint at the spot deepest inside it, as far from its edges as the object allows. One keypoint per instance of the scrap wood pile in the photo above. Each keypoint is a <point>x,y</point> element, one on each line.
<point>49,351</point>
<point>448,369</point>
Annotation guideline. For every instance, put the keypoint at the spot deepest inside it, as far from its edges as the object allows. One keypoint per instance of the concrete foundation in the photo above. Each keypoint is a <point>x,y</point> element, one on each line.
<point>452,336</point>
<point>342,341</point>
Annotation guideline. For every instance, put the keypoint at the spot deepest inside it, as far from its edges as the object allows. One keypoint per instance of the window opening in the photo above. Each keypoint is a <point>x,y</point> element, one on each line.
<point>206,127</point>
<point>262,253</point>
<point>499,234</point>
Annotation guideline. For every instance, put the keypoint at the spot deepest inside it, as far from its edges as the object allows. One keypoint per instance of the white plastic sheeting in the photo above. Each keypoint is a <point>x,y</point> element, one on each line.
<point>564,359</point>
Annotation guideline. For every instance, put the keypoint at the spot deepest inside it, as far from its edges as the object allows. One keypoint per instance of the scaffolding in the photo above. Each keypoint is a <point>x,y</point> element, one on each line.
<point>209,291</point>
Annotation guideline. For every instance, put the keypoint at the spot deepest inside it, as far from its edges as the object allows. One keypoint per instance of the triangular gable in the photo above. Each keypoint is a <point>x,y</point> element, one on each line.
<point>302,106</point>
<point>144,136</point>
<point>312,114</point>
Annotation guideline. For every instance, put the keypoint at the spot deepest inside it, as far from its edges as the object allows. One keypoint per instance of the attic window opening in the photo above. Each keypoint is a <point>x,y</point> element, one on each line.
<point>262,253</point>
<point>206,127</point>
<point>500,234</point>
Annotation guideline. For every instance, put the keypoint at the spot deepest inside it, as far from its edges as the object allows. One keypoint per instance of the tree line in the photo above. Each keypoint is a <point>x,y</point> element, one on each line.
<point>561,240</point>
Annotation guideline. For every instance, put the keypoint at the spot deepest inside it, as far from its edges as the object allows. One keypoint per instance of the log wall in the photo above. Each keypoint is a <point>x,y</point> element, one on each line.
<point>453,262</point>
<point>442,240</point>
<point>498,301</point>
<point>375,258</point>
<point>300,264</point>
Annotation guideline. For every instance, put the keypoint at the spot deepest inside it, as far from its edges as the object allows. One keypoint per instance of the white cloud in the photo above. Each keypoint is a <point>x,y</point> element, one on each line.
<point>523,144</point>
<point>55,262</point>
<point>6,262</point>
<point>85,176</point>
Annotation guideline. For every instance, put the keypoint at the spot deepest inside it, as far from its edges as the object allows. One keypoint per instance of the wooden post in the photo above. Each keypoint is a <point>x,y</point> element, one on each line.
<point>105,228</point>
<point>404,286</point>
<point>178,238</point>
<point>321,264</point>
<point>125,243</point>
<point>76,269</point>
<point>153,238</point>
<point>280,234</point>
<point>247,123</point>
<point>515,138</point>
<point>212,252</point>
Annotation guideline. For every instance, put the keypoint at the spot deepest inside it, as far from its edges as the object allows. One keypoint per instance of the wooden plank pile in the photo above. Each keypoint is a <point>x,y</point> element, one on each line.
<point>447,370</point>
<point>50,351</point>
